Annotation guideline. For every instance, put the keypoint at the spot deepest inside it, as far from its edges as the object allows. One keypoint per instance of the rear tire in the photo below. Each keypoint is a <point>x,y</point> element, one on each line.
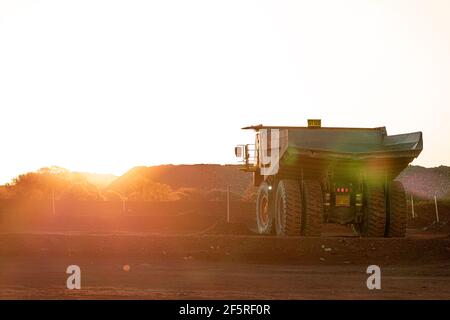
<point>264,210</point>
<point>288,208</point>
<point>313,208</point>
<point>374,221</point>
<point>397,210</point>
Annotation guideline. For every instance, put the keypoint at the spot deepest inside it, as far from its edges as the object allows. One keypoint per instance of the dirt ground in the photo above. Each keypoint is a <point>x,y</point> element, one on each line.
<point>226,262</point>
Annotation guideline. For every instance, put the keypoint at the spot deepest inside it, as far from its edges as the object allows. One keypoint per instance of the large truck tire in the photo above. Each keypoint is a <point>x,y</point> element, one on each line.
<point>288,208</point>
<point>374,220</point>
<point>397,210</point>
<point>264,210</point>
<point>313,208</point>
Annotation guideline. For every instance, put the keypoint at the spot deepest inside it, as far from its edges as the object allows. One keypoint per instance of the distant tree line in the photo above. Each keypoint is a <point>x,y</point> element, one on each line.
<point>63,184</point>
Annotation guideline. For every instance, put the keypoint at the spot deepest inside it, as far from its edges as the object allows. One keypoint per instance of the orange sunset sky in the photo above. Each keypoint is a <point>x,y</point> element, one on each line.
<point>103,86</point>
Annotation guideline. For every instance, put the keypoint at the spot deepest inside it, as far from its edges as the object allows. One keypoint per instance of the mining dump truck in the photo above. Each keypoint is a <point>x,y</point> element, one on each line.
<point>308,176</point>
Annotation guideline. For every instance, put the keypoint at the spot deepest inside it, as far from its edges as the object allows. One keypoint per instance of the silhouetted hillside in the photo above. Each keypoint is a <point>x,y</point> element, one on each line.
<point>186,178</point>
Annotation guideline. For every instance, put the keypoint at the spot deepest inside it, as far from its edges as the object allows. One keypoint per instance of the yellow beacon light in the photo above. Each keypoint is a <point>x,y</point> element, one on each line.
<point>314,123</point>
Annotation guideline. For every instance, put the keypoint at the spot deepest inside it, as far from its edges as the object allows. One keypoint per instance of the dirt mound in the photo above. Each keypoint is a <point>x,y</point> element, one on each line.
<point>108,216</point>
<point>425,217</point>
<point>441,227</point>
<point>200,176</point>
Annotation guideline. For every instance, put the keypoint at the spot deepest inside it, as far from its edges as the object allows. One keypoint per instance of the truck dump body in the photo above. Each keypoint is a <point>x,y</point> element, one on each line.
<point>347,149</point>
<point>354,143</point>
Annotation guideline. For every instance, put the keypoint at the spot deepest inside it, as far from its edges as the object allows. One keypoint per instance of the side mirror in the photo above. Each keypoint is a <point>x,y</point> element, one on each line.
<point>239,151</point>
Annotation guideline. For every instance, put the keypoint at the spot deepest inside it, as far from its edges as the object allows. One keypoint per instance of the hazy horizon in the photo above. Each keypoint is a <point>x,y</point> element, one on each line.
<point>156,165</point>
<point>103,86</point>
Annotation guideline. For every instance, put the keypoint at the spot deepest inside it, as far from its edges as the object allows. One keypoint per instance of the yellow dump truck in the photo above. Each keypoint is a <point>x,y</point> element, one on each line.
<point>308,176</point>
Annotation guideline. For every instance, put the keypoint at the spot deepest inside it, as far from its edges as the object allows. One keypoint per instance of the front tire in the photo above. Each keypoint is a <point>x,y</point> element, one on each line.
<point>288,208</point>
<point>264,210</point>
